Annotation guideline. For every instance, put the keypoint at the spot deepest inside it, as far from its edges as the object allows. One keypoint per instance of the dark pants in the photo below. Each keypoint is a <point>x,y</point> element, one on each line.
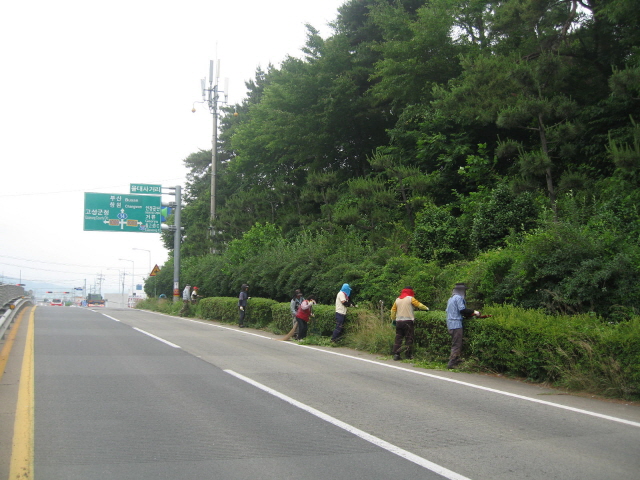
<point>337,332</point>
<point>456,347</point>
<point>404,330</point>
<point>185,308</point>
<point>302,328</point>
<point>242,312</point>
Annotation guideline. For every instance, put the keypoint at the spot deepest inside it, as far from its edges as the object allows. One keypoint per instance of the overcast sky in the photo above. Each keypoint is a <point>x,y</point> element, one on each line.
<point>95,96</point>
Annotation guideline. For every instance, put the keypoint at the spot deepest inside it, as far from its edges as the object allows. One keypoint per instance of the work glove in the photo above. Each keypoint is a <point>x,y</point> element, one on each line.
<point>242,308</point>
<point>476,313</point>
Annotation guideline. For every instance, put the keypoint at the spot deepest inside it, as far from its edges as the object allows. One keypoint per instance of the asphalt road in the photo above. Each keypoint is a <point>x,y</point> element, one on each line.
<point>126,394</point>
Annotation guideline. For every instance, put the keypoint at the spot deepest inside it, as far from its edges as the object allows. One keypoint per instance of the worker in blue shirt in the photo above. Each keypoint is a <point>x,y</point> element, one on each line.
<point>457,311</point>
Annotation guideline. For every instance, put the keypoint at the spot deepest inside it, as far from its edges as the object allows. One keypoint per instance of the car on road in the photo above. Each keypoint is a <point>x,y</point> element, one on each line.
<point>56,302</point>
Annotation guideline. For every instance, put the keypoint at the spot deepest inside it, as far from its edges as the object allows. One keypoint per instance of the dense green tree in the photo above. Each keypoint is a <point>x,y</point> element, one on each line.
<point>502,215</point>
<point>440,236</point>
<point>424,133</point>
<point>520,96</point>
<point>417,52</point>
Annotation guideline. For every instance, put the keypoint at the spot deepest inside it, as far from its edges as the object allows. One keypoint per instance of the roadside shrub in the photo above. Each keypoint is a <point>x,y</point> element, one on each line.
<point>322,322</point>
<point>387,281</point>
<point>225,310</point>
<point>162,305</point>
<point>431,335</point>
<point>445,280</point>
<point>438,236</point>
<point>564,269</point>
<point>366,331</point>
<point>520,343</point>
<point>488,272</point>
<point>607,363</point>
<point>576,352</point>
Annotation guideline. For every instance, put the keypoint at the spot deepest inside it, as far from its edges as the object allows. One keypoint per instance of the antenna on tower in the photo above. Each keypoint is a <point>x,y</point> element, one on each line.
<point>210,95</point>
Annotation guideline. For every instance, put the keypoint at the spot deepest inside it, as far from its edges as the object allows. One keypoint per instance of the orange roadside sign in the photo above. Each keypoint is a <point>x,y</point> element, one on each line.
<point>155,271</point>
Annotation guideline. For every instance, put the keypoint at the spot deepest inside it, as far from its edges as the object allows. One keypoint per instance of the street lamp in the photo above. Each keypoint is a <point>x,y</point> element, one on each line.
<point>149,252</point>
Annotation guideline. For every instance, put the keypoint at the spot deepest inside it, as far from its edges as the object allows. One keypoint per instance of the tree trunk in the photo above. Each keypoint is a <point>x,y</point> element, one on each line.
<point>548,174</point>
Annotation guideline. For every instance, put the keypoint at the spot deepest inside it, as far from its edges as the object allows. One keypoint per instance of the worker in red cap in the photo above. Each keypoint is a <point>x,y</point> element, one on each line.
<point>194,295</point>
<point>404,318</point>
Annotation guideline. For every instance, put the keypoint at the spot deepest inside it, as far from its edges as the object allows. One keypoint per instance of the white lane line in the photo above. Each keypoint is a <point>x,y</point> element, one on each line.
<point>451,380</point>
<point>360,433</point>
<point>158,338</point>
<point>479,387</point>
<point>146,333</point>
<point>222,327</point>
<point>209,324</point>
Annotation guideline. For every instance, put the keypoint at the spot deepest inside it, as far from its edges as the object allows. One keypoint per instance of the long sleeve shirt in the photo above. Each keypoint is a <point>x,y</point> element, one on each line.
<point>403,308</point>
<point>456,311</point>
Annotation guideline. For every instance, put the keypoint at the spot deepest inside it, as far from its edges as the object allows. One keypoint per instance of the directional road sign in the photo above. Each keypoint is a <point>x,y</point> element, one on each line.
<point>145,188</point>
<point>117,212</point>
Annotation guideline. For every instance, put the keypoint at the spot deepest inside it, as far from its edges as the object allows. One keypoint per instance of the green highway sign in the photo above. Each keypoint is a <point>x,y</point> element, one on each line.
<point>117,212</point>
<point>146,189</point>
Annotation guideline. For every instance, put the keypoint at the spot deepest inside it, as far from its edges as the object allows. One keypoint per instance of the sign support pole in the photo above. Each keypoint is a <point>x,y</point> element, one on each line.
<point>177,237</point>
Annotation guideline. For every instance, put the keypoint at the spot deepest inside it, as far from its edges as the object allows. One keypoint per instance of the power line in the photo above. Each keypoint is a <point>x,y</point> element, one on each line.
<point>94,267</point>
<point>46,269</point>
<point>170,180</point>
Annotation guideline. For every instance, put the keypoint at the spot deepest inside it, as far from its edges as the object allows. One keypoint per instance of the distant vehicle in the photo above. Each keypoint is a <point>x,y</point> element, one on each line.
<point>95,300</point>
<point>56,302</point>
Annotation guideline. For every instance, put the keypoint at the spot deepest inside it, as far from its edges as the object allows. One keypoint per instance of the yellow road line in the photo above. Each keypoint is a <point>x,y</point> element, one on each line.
<point>22,452</point>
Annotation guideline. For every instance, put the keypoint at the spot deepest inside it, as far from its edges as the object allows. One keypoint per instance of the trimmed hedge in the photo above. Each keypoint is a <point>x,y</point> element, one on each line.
<point>431,335</point>
<point>322,323</point>
<point>576,352</point>
<point>265,313</point>
<point>225,309</point>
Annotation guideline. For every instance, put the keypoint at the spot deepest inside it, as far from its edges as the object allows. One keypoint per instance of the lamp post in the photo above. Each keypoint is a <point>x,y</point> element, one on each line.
<point>145,250</point>
<point>133,270</point>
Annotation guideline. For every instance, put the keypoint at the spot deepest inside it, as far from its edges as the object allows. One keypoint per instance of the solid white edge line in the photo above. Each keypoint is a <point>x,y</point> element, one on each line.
<point>355,431</point>
<point>487,389</point>
<point>438,377</point>
<point>157,338</point>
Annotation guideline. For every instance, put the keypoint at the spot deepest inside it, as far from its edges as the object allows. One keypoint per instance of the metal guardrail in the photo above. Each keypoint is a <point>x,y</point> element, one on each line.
<point>11,299</point>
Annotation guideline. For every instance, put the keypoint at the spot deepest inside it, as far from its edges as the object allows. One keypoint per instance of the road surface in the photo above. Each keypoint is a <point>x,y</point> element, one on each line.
<point>127,394</point>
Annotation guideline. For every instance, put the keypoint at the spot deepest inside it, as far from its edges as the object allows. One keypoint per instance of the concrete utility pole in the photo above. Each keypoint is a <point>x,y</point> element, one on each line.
<point>133,270</point>
<point>177,235</point>
<point>177,241</point>
<point>212,100</point>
